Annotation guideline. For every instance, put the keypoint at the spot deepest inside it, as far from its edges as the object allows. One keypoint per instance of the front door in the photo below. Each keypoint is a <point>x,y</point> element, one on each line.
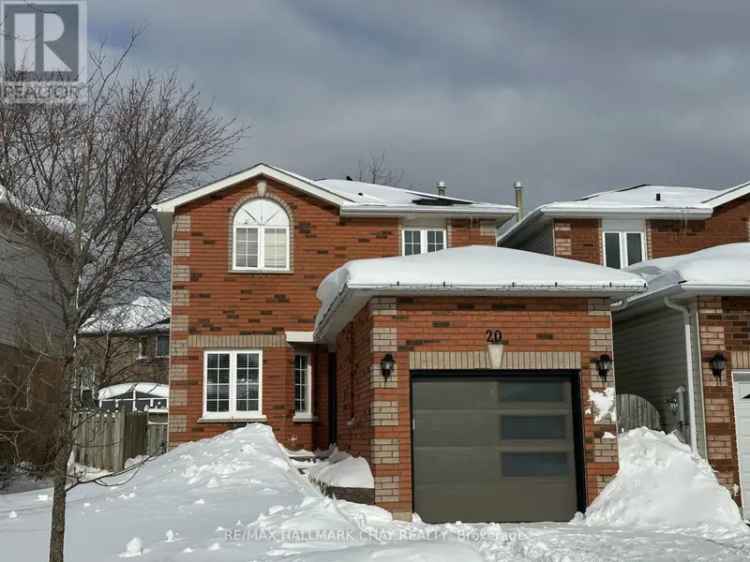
<point>742,427</point>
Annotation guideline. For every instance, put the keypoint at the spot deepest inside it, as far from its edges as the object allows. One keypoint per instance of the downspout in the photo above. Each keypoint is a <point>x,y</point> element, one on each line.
<point>689,357</point>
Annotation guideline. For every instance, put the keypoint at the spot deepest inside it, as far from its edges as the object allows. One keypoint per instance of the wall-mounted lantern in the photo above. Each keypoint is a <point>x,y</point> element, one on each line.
<point>387,365</point>
<point>718,363</point>
<point>603,365</point>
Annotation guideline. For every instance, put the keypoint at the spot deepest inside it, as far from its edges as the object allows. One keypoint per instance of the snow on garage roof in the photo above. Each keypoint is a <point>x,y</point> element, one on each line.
<point>353,198</point>
<point>640,201</point>
<point>719,270</point>
<point>474,270</point>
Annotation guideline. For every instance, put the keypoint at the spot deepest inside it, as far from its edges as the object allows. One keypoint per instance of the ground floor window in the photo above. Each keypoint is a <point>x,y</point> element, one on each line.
<point>233,384</point>
<point>302,385</point>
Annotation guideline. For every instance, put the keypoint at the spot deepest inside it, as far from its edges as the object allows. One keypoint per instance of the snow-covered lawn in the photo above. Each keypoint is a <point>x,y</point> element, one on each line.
<point>237,497</point>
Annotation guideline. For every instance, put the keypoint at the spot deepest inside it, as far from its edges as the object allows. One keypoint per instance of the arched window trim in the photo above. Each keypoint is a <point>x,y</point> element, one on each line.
<point>261,226</point>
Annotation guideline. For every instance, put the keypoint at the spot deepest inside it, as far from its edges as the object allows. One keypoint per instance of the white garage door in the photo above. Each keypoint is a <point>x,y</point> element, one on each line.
<point>742,424</point>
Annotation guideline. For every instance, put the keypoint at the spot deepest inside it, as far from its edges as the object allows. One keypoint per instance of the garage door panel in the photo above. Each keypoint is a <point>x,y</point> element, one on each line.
<point>513,459</point>
<point>447,465</point>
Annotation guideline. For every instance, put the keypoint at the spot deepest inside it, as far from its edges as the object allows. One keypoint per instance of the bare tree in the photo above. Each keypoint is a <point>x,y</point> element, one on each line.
<point>79,181</point>
<point>376,170</point>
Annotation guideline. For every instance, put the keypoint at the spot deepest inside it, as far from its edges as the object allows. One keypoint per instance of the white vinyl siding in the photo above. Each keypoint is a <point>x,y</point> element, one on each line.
<point>232,384</point>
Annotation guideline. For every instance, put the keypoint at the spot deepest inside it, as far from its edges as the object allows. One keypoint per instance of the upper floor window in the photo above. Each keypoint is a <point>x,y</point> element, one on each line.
<point>261,236</point>
<point>622,249</point>
<point>423,240</point>
<point>162,346</point>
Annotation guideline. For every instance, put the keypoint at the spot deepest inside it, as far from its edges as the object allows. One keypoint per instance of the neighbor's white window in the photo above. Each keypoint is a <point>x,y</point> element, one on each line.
<point>423,240</point>
<point>622,249</point>
<point>261,237</point>
<point>233,384</point>
<point>302,385</point>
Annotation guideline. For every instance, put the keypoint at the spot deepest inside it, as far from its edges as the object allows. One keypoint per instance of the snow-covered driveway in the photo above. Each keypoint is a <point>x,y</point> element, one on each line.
<point>236,497</point>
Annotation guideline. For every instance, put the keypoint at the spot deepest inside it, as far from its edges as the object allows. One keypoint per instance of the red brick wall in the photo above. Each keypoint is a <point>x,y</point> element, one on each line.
<point>579,239</point>
<point>724,327</point>
<point>728,224</point>
<point>454,324</point>
<point>208,299</point>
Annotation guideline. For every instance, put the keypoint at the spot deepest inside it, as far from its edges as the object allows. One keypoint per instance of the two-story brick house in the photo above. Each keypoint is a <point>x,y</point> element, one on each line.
<point>248,254</point>
<point>665,344</point>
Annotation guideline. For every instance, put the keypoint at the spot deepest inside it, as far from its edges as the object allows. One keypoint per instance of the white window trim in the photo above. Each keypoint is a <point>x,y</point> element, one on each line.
<point>305,415</point>
<point>422,237</point>
<point>233,414</point>
<point>156,345</point>
<point>623,237</point>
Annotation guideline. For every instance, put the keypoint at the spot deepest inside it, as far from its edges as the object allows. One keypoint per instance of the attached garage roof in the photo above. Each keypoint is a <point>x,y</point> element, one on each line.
<point>721,270</point>
<point>470,270</point>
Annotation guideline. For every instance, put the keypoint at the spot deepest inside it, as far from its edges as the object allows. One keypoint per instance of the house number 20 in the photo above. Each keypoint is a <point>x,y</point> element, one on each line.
<point>494,336</point>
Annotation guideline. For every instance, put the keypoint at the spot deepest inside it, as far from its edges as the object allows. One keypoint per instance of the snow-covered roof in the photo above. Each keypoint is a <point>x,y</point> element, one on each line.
<point>142,314</point>
<point>475,270</point>
<point>640,201</point>
<point>154,389</point>
<point>719,270</point>
<point>353,198</point>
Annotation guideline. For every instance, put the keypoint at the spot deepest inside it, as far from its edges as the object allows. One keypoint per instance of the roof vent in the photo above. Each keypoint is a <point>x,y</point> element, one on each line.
<point>441,188</point>
<point>518,188</point>
<point>658,196</point>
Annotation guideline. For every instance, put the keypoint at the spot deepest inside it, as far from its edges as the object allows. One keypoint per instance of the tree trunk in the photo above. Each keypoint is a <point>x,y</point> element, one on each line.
<point>57,528</point>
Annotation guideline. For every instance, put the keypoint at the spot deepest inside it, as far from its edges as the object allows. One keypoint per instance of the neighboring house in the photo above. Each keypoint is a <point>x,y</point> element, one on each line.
<point>248,254</point>
<point>30,320</point>
<point>465,378</point>
<point>622,227</point>
<point>685,347</point>
<point>135,339</point>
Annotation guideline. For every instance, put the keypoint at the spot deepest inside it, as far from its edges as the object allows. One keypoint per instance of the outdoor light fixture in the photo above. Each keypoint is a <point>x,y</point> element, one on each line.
<point>386,365</point>
<point>603,365</point>
<point>718,364</point>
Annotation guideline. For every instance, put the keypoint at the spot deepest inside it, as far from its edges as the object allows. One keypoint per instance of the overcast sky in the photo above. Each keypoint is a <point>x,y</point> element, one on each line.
<point>569,96</point>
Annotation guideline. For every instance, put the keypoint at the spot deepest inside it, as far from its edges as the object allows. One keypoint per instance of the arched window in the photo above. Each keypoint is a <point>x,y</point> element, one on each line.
<point>261,236</point>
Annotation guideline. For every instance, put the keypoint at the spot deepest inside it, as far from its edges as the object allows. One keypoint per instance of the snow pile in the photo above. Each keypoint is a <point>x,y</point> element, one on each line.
<point>604,405</point>
<point>341,470</point>
<point>661,484</point>
<point>726,266</point>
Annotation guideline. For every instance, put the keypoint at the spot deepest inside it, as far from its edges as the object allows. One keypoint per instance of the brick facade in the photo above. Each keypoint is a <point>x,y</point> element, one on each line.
<point>729,223</point>
<point>214,307</point>
<point>724,325</point>
<point>579,239</point>
<point>449,333</point>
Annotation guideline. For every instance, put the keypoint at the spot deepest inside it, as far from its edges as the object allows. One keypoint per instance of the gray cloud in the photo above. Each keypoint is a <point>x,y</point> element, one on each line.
<point>572,97</point>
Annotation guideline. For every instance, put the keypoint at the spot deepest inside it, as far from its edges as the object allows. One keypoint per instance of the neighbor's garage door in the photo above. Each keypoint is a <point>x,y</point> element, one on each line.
<point>496,448</point>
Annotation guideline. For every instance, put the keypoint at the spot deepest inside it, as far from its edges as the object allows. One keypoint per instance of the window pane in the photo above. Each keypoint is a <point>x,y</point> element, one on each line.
<point>612,249</point>
<point>535,464</point>
<point>412,242</point>
<point>246,247</point>
<point>635,247</point>
<point>275,244</point>
<point>537,391</point>
<point>248,382</point>
<point>435,240</point>
<point>217,382</point>
<point>301,383</point>
<point>532,427</point>
<point>162,346</point>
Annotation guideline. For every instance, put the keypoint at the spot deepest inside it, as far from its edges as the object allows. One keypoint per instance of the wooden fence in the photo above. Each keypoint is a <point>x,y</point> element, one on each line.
<point>635,411</point>
<point>106,440</point>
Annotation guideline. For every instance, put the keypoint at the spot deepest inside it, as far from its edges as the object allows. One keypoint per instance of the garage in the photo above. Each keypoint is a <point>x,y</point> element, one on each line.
<point>497,446</point>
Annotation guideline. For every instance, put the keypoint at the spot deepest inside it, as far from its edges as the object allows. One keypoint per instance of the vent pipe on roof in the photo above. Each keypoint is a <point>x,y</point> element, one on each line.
<point>441,188</point>
<point>518,188</point>
<point>658,196</point>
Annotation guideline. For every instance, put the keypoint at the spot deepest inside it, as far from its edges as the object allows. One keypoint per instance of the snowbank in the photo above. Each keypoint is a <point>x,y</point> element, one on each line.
<point>346,472</point>
<point>661,484</point>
